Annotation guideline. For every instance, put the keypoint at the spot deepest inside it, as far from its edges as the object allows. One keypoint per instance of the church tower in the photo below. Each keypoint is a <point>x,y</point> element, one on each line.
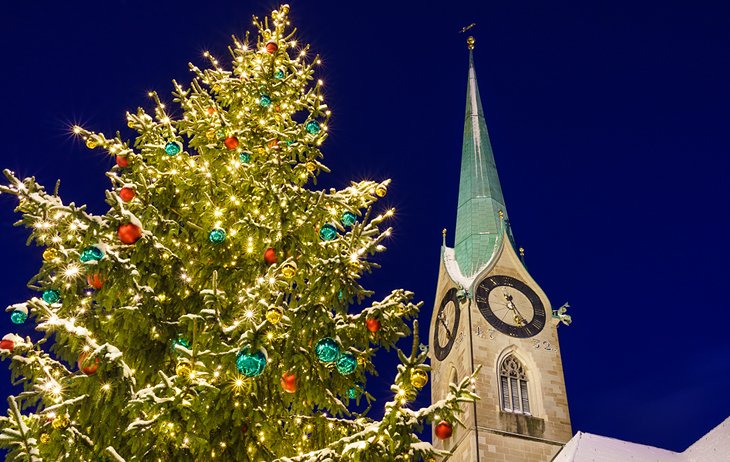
<point>490,313</point>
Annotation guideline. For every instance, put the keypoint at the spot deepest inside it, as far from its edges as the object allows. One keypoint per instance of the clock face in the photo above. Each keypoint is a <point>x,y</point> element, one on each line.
<point>510,306</point>
<point>447,322</point>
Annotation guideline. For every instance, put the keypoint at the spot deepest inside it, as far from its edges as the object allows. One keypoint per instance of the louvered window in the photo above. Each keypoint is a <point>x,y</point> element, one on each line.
<point>513,386</point>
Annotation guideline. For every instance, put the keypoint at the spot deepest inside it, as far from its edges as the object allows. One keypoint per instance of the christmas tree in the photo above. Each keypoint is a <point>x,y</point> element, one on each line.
<point>216,311</point>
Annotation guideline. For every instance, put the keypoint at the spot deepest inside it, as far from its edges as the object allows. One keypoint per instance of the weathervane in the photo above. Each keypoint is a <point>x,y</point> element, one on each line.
<point>470,41</point>
<point>466,28</point>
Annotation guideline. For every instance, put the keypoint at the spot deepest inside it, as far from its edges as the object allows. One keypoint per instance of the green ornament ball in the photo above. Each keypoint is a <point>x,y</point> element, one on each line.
<point>91,254</point>
<point>348,218</point>
<point>279,74</point>
<point>217,236</point>
<point>327,232</point>
<point>18,316</point>
<point>173,148</point>
<point>327,350</point>
<point>51,296</point>
<point>313,127</point>
<point>346,363</point>
<point>250,365</point>
<point>245,157</point>
<point>264,100</point>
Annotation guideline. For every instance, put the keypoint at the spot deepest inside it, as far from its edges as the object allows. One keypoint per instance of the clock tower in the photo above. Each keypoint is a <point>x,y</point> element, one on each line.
<point>491,314</point>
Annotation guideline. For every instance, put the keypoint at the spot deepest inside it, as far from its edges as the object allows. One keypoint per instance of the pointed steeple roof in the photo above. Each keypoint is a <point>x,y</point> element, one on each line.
<point>478,220</point>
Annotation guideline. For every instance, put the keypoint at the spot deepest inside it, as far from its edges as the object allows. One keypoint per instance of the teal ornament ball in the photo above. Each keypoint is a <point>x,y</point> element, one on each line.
<point>220,134</point>
<point>313,127</point>
<point>264,100</point>
<point>91,254</point>
<point>279,74</point>
<point>51,296</point>
<point>346,363</point>
<point>348,218</point>
<point>18,316</point>
<point>327,350</point>
<point>327,232</point>
<point>245,157</point>
<point>353,393</point>
<point>250,365</point>
<point>182,341</point>
<point>217,236</point>
<point>173,148</point>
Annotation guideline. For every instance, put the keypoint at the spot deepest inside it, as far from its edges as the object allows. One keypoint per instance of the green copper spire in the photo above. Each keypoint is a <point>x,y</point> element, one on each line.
<point>478,221</point>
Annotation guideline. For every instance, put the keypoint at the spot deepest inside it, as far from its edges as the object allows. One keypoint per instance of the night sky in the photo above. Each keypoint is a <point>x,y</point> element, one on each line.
<point>609,122</point>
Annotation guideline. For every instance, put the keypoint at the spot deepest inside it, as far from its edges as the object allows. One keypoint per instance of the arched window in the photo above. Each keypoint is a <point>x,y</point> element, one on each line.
<point>513,386</point>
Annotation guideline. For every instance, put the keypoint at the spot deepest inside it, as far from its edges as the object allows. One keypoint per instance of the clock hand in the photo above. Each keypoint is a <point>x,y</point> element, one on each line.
<point>448,332</point>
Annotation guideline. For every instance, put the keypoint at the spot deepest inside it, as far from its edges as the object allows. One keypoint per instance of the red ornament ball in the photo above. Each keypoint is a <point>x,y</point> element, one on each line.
<point>373,325</point>
<point>88,367</point>
<point>95,280</point>
<point>271,47</point>
<point>444,430</point>
<point>129,233</point>
<point>122,161</point>
<point>231,142</point>
<point>127,193</point>
<point>244,428</point>
<point>289,382</point>
<point>270,256</point>
<point>7,343</point>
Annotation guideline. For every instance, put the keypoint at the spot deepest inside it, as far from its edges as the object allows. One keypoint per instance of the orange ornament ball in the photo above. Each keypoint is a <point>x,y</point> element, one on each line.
<point>444,430</point>
<point>127,193</point>
<point>373,325</point>
<point>95,280</point>
<point>274,143</point>
<point>122,161</point>
<point>271,47</point>
<point>211,110</point>
<point>129,233</point>
<point>270,256</point>
<point>289,382</point>
<point>231,142</point>
<point>87,367</point>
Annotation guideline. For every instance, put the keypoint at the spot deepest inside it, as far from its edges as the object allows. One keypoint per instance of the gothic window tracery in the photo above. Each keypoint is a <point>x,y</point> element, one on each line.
<point>513,386</point>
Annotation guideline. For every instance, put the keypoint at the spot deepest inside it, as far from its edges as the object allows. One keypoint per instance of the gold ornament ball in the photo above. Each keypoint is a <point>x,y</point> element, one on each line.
<point>289,270</point>
<point>183,369</point>
<point>419,378</point>
<point>274,315</point>
<point>45,438</point>
<point>91,143</point>
<point>311,167</point>
<point>217,88</point>
<point>210,134</point>
<point>60,422</point>
<point>130,123</point>
<point>381,190</point>
<point>50,254</point>
<point>360,361</point>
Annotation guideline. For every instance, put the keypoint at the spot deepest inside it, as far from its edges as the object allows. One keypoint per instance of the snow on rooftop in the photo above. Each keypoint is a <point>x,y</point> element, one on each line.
<point>586,447</point>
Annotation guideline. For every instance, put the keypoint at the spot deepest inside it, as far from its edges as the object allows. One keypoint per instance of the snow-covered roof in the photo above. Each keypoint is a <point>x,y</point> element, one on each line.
<point>585,447</point>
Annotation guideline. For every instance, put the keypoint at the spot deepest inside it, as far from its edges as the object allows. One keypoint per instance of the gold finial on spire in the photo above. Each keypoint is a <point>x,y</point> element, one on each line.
<point>443,233</point>
<point>522,251</point>
<point>501,214</point>
<point>470,42</point>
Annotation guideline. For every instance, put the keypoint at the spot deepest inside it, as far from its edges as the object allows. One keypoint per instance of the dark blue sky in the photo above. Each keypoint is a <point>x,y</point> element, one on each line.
<point>609,122</point>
